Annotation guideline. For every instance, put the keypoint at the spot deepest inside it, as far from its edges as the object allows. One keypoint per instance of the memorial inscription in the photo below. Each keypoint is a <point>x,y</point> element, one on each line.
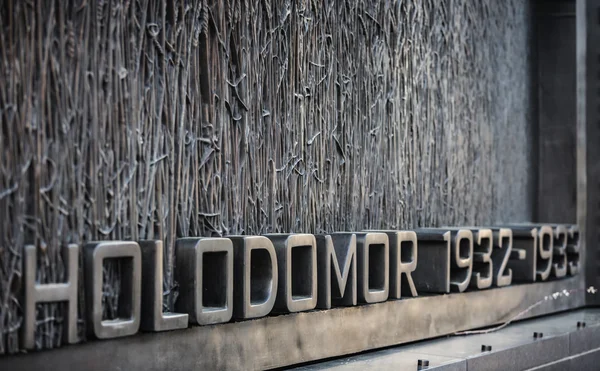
<point>246,277</point>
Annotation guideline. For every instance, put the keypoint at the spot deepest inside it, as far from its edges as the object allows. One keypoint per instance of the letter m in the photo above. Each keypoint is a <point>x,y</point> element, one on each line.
<point>336,263</point>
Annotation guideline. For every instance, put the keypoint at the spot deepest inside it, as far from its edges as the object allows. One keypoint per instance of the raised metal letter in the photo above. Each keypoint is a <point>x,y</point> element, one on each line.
<point>461,266</point>
<point>404,257</point>
<point>403,261</point>
<point>131,282</point>
<point>446,259</point>
<point>373,267</point>
<point>337,252</point>
<point>297,262</point>
<point>255,277</point>
<point>50,292</point>
<point>153,318</point>
<point>573,250</point>
<point>205,275</point>
<point>559,267</point>
<point>483,265</point>
<point>545,249</point>
<point>501,255</point>
<point>523,258</point>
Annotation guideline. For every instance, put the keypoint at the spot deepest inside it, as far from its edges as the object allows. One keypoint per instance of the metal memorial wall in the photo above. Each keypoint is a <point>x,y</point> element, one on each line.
<point>245,277</point>
<point>250,185</point>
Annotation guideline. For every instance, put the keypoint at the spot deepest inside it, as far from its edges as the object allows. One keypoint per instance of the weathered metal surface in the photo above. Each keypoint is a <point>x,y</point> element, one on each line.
<point>403,261</point>
<point>555,75</point>
<point>205,273</point>
<point>483,265</point>
<point>544,252</point>
<point>128,320</point>
<point>45,293</point>
<point>302,337</point>
<point>492,251</point>
<point>433,272</point>
<point>502,254</point>
<point>255,278</point>
<point>447,263</point>
<point>373,252</point>
<point>559,258</point>
<point>297,269</point>
<point>523,263</point>
<point>574,250</point>
<point>153,318</point>
<point>543,236</point>
<point>159,119</point>
<point>336,260</point>
<point>588,136</point>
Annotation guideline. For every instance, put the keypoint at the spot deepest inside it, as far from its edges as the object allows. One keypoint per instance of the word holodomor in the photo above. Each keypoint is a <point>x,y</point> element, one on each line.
<point>246,277</point>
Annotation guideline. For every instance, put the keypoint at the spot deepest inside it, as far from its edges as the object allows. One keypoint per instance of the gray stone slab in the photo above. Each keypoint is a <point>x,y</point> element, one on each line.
<point>512,348</point>
<point>589,360</point>
<point>389,360</point>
